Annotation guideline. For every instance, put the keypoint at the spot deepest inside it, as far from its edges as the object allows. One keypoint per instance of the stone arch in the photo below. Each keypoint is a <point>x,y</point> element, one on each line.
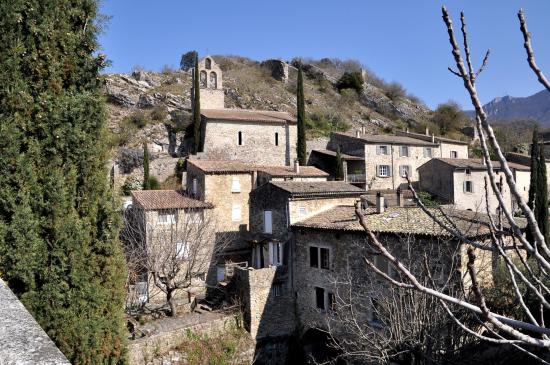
<point>202,79</point>
<point>213,80</point>
<point>208,63</point>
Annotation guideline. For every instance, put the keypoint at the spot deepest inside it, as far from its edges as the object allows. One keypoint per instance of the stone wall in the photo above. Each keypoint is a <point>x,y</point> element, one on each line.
<point>278,69</point>
<point>258,141</point>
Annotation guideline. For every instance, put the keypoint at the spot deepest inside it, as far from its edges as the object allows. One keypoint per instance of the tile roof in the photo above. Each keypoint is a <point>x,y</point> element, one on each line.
<point>400,220</point>
<point>477,164</point>
<point>166,199</point>
<point>284,171</point>
<point>344,156</point>
<point>429,138</point>
<point>248,115</point>
<point>222,166</point>
<point>318,188</point>
<point>389,139</point>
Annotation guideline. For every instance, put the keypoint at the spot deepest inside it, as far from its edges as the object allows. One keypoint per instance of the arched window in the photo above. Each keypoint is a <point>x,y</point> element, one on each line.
<point>213,80</point>
<point>208,63</point>
<point>202,79</point>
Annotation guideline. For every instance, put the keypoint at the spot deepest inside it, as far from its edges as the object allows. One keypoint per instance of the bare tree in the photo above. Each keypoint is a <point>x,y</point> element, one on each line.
<point>526,276</point>
<point>172,250</point>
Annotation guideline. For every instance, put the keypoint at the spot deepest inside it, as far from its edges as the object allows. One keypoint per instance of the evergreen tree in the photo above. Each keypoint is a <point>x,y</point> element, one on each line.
<point>146,177</point>
<point>541,203</point>
<point>300,103</point>
<point>59,249</point>
<point>196,107</point>
<point>339,170</point>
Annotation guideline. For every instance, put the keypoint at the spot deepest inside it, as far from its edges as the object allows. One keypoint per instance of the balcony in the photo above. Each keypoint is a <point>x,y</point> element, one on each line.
<point>356,178</point>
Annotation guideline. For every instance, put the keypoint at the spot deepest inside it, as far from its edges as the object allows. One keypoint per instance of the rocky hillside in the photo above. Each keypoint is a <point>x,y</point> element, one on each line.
<point>508,108</point>
<point>154,107</point>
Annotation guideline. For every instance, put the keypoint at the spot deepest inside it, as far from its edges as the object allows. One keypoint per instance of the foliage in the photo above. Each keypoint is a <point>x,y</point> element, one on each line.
<point>427,199</point>
<point>538,193</point>
<point>146,176</point>
<point>159,113</point>
<point>137,119</point>
<point>301,117</point>
<point>395,91</point>
<point>321,123</point>
<point>129,158</point>
<point>448,117</point>
<point>351,80</point>
<point>153,183</point>
<point>132,183</point>
<point>196,107</point>
<point>188,60</point>
<point>58,222</point>
<point>180,167</point>
<point>513,134</point>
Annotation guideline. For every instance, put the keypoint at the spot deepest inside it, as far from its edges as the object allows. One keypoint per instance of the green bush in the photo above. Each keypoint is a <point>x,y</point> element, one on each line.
<point>154,184</point>
<point>137,119</point>
<point>427,199</point>
<point>394,91</point>
<point>351,80</point>
<point>159,113</point>
<point>132,183</point>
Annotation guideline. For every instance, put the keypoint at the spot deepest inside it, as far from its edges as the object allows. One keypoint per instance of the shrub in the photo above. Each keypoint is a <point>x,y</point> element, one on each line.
<point>137,119</point>
<point>167,70</point>
<point>129,158</point>
<point>132,183</point>
<point>154,184</point>
<point>187,60</point>
<point>427,199</point>
<point>159,113</point>
<point>448,117</point>
<point>394,91</point>
<point>351,80</point>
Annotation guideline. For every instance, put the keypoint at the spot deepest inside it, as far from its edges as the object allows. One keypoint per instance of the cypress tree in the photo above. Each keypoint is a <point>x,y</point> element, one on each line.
<point>146,178</point>
<point>541,203</point>
<point>339,170</point>
<point>535,193</point>
<point>196,107</point>
<point>300,103</point>
<point>59,249</point>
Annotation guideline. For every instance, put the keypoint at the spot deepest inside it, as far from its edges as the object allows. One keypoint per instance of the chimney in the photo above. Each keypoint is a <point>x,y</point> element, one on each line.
<point>400,200</point>
<point>433,138</point>
<point>379,203</point>
<point>427,131</point>
<point>357,134</point>
<point>297,166</point>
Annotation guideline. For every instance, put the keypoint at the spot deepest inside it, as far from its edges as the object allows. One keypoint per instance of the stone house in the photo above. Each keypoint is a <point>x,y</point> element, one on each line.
<point>387,159</point>
<point>462,182</point>
<point>449,148</point>
<point>251,136</point>
<point>161,228</point>
<point>288,173</point>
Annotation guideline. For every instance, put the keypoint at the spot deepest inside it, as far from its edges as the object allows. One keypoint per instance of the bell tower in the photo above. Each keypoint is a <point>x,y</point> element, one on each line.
<point>210,84</point>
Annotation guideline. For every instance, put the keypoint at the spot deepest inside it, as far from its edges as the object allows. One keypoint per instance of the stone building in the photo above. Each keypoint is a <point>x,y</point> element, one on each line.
<point>251,136</point>
<point>525,160</point>
<point>462,182</point>
<point>288,173</point>
<point>163,229</point>
<point>210,84</point>
<point>386,159</point>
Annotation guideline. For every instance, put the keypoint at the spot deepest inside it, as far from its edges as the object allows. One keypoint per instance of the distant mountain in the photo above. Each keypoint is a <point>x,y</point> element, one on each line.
<point>535,107</point>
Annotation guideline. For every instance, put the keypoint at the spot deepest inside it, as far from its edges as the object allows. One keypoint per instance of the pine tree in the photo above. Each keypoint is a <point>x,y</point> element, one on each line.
<point>196,107</point>
<point>339,170</point>
<point>300,103</point>
<point>59,249</point>
<point>146,177</point>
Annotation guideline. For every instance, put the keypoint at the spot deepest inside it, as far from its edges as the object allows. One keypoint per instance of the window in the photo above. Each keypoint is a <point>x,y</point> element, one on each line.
<point>277,252</point>
<point>202,79</point>
<point>314,256</point>
<point>383,170</point>
<point>320,298</point>
<point>182,250</point>
<point>195,187</point>
<point>240,138</point>
<point>165,217</point>
<point>277,289</point>
<point>468,171</point>
<point>382,150</point>
<point>302,211</point>
<point>276,139</point>
<point>268,221</point>
<point>236,213</point>
<point>325,258</point>
<point>428,152</point>
<point>208,63</point>
<point>468,186</point>
<point>404,151</point>
<point>454,154</point>
<point>213,80</point>
<point>405,170</point>
<point>235,185</point>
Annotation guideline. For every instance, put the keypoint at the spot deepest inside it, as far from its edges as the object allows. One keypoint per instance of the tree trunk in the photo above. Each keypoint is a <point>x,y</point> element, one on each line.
<point>171,303</point>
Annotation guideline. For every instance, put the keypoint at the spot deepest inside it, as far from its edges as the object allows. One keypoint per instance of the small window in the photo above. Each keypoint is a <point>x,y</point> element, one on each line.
<point>468,171</point>
<point>404,151</point>
<point>382,150</point>
<point>383,170</point>
<point>240,138</point>
<point>213,80</point>
<point>277,289</point>
<point>195,187</point>
<point>314,256</point>
<point>302,211</point>
<point>277,259</point>
<point>268,222</point>
<point>325,258</point>
<point>276,139</point>
<point>428,152</point>
<point>182,250</point>
<point>236,213</point>
<point>167,217</point>
<point>405,170</point>
<point>468,186</point>
<point>208,63</point>
<point>320,298</point>
<point>235,185</point>
<point>202,79</point>
<point>454,154</point>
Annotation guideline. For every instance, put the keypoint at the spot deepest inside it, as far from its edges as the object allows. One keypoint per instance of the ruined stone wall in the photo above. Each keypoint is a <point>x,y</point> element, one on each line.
<point>258,142</point>
<point>277,68</point>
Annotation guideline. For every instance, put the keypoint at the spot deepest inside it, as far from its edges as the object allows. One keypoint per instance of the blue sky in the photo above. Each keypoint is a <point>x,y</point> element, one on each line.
<point>402,41</point>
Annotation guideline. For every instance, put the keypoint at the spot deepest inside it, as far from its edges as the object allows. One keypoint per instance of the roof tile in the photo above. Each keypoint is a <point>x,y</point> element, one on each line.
<point>166,199</point>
